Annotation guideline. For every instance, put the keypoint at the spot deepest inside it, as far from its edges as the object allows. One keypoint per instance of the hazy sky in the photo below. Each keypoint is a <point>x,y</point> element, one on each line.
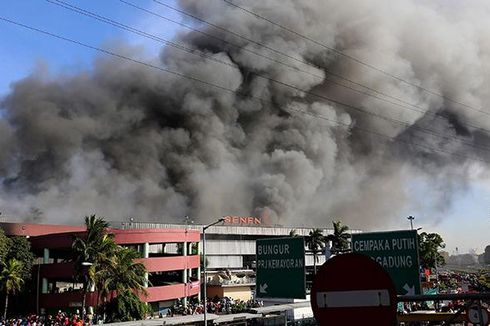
<point>464,223</point>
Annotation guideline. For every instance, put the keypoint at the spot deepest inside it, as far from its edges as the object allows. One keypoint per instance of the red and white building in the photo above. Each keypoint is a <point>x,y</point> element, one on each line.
<point>169,254</point>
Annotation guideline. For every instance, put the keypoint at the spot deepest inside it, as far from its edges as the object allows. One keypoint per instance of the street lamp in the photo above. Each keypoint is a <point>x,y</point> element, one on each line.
<point>204,265</point>
<point>411,218</point>
<point>85,264</point>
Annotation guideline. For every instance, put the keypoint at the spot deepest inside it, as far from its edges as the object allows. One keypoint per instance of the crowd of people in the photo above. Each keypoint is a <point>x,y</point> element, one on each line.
<point>217,305</point>
<point>60,319</point>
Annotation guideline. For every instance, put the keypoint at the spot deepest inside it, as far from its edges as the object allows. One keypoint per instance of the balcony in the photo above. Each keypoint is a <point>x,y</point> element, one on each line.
<point>175,263</point>
<point>169,292</point>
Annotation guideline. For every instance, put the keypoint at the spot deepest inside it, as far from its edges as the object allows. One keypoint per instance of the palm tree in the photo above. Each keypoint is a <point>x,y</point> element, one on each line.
<point>102,267</point>
<point>340,237</point>
<point>120,274</point>
<point>124,273</point>
<point>91,251</point>
<point>11,280</point>
<point>315,242</point>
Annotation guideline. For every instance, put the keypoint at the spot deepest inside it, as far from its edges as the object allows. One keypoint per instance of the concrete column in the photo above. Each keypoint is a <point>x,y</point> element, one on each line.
<point>44,287</point>
<point>46,256</point>
<point>146,250</point>
<point>184,272</point>
<point>146,254</point>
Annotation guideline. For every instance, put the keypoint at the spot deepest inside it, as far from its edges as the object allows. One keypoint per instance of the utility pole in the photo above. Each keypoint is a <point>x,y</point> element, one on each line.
<point>204,265</point>
<point>411,218</point>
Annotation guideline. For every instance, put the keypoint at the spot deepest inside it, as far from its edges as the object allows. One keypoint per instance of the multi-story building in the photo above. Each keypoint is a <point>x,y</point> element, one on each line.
<point>230,252</point>
<point>170,253</point>
<point>170,256</point>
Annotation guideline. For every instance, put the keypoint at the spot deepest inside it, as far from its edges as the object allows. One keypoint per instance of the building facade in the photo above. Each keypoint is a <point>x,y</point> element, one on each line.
<point>230,252</point>
<point>170,255</point>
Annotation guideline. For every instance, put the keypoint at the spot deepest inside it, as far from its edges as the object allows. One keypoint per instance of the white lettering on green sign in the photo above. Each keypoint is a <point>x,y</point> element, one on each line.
<point>273,249</point>
<point>384,244</point>
<point>279,263</point>
<point>394,261</point>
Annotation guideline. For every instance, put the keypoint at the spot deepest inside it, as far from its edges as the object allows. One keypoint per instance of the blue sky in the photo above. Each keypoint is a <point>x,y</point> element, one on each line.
<point>21,50</point>
<point>466,224</point>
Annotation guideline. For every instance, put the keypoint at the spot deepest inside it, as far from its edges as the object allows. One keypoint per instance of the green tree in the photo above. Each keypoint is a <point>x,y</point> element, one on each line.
<point>4,246</point>
<point>11,280</point>
<point>126,307</point>
<point>20,250</point>
<point>293,233</point>
<point>429,247</point>
<point>340,237</point>
<point>486,255</point>
<point>125,273</point>
<point>110,268</point>
<point>315,242</point>
<point>102,267</point>
<point>91,252</point>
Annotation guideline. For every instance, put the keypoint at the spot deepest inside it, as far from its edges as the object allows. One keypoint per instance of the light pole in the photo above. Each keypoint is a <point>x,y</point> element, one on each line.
<point>411,218</point>
<point>85,265</point>
<point>204,265</point>
<point>37,287</point>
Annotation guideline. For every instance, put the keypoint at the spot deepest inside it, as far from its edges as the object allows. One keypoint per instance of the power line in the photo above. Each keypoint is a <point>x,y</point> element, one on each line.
<point>359,61</point>
<point>199,53</point>
<point>195,79</point>
<point>136,31</point>
<point>410,106</point>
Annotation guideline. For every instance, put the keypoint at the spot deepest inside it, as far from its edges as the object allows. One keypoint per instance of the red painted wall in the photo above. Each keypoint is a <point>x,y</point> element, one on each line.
<point>160,264</point>
<point>61,237</point>
<point>64,240</point>
<point>34,230</point>
<point>168,292</point>
<point>158,293</point>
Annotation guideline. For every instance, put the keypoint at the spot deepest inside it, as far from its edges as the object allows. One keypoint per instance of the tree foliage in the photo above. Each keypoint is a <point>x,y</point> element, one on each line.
<point>315,242</point>
<point>111,268</point>
<point>486,255</point>
<point>429,246</point>
<point>20,250</point>
<point>4,246</point>
<point>293,233</point>
<point>123,272</point>
<point>340,237</point>
<point>93,250</point>
<point>126,307</point>
<point>11,280</point>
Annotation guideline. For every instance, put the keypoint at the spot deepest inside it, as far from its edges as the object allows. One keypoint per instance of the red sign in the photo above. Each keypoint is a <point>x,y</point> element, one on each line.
<point>242,220</point>
<point>353,289</point>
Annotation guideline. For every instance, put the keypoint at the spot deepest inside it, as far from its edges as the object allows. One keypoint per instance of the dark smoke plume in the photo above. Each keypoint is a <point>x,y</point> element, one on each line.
<point>126,140</point>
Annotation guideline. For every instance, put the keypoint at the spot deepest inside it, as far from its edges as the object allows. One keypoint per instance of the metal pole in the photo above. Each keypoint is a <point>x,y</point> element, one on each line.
<point>411,218</point>
<point>204,265</point>
<point>204,271</point>
<point>37,292</point>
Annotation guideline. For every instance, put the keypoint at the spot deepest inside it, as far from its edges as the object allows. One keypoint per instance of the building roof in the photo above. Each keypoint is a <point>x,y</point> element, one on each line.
<point>34,230</point>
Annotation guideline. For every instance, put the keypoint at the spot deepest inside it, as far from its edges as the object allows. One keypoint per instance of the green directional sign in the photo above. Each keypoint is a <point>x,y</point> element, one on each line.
<point>281,268</point>
<point>397,252</point>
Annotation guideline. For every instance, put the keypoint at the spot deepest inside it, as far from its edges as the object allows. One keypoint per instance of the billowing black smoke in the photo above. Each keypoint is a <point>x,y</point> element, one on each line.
<point>127,140</point>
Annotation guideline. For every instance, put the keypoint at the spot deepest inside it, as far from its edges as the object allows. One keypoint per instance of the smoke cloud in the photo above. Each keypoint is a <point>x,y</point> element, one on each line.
<point>126,140</point>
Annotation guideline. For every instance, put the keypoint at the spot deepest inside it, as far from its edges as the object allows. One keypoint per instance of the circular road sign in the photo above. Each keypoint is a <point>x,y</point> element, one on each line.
<point>353,289</point>
<point>475,312</point>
